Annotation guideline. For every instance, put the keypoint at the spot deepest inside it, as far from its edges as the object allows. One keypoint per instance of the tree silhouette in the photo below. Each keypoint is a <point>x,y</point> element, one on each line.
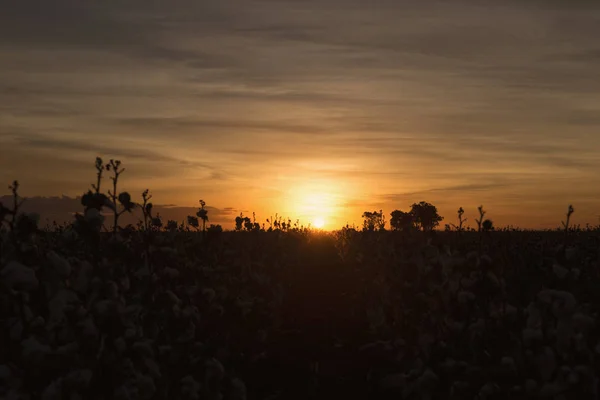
<point>425,216</point>
<point>203,214</point>
<point>487,225</point>
<point>461,221</point>
<point>373,220</point>
<point>402,221</point>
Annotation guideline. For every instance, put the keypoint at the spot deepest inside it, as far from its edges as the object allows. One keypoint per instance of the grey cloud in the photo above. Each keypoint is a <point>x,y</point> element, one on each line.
<point>432,86</point>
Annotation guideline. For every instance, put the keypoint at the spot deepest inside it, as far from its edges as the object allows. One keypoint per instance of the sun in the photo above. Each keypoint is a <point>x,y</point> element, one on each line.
<point>319,223</point>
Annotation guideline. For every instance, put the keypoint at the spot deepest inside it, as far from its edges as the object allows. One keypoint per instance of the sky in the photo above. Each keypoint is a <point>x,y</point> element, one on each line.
<point>315,109</point>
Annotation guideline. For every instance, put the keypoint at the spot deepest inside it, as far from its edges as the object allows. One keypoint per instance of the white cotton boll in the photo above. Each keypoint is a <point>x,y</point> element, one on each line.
<point>16,329</point>
<point>129,315</point>
<point>426,383</point>
<point>5,372</point>
<point>493,279</point>
<point>530,386</point>
<point>560,271</point>
<point>530,335</point>
<point>564,305</point>
<point>164,350</point>
<point>468,283</point>
<point>171,273</point>
<point>112,290</point>
<point>59,264</point>
<point>573,378</point>
<point>238,390</point>
<point>80,378</point>
<point>455,326</point>
<point>53,391</point>
<point>152,367</point>
<point>214,369</point>
<point>173,297</point>
<point>477,327</point>
<point>209,294</point>
<point>88,327</point>
<point>75,396</point>
<point>545,296</point>
<point>550,390</point>
<point>57,306</point>
<point>144,349</point>
<point>176,311</point>
<point>190,388</point>
<point>146,387</point>
<point>489,389</point>
<point>70,348</point>
<point>534,319</point>
<point>222,292</point>
<point>571,252</point>
<point>583,322</point>
<point>126,392</point>
<point>564,331</point>
<point>575,273</point>
<point>511,311</point>
<point>32,348</point>
<point>18,276</point>
<point>508,362</point>
<point>546,362</point>
<point>465,297</point>
<point>187,312</point>
<point>120,345</point>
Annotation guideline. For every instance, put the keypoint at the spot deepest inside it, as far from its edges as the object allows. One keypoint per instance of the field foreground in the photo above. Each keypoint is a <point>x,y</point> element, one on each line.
<point>294,315</point>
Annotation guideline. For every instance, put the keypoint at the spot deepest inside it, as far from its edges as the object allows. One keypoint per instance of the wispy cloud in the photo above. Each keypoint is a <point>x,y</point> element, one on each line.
<point>232,97</point>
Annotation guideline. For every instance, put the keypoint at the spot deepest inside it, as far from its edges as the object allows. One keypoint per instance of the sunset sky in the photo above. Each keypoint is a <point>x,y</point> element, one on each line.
<point>312,109</point>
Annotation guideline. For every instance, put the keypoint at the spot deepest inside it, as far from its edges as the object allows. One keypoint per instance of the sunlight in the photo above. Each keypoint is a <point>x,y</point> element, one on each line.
<point>319,223</point>
<point>315,202</point>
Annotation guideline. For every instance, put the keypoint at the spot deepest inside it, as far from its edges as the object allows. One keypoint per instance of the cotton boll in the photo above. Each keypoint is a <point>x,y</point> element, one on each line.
<point>126,392</point>
<point>488,390</point>
<point>70,348</point>
<point>79,378</point>
<point>190,388</point>
<point>546,363</point>
<point>549,390</point>
<point>144,349</point>
<point>531,335</point>
<point>53,391</point>
<point>583,322</point>
<point>214,369</point>
<point>237,390</point>
<point>33,350</point>
<point>560,271</point>
<point>152,367</point>
<point>509,362</point>
<point>19,277</point>
<point>60,265</point>
<point>88,327</point>
<point>120,345</point>
<point>209,294</point>
<point>16,329</point>
<point>534,319</point>
<point>145,386</point>
<point>427,383</point>
<point>57,307</point>
<point>575,273</point>
<point>530,386</point>
<point>111,290</point>
<point>465,297</point>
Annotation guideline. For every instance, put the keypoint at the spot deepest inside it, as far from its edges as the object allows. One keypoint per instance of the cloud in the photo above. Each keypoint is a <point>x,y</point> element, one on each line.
<point>220,98</point>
